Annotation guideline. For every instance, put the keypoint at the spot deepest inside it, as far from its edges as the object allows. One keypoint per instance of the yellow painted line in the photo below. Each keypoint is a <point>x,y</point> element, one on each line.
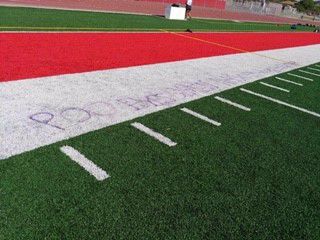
<point>80,28</point>
<point>224,46</point>
<point>172,31</point>
<point>125,29</point>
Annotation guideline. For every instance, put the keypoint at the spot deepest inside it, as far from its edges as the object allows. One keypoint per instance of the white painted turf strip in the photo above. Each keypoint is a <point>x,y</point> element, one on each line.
<point>315,69</point>
<point>89,166</point>
<point>200,116</point>
<point>314,74</point>
<point>42,111</point>
<point>237,105</point>
<point>154,134</point>
<point>280,102</point>
<point>288,81</point>
<point>275,87</point>
<point>298,76</point>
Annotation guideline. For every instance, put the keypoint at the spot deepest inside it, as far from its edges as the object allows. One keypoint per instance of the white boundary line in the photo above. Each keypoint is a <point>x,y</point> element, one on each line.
<point>237,105</point>
<point>281,102</point>
<point>315,69</point>
<point>89,166</point>
<point>202,117</point>
<point>153,134</point>
<point>298,76</point>
<point>288,81</point>
<point>314,74</point>
<point>275,87</point>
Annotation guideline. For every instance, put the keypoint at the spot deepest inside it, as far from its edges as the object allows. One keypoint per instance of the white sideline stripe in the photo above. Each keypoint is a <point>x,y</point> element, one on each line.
<point>315,69</point>
<point>275,87</point>
<point>281,102</point>
<point>232,103</point>
<point>154,134</point>
<point>89,166</point>
<point>288,81</point>
<point>202,117</point>
<point>314,74</point>
<point>298,76</point>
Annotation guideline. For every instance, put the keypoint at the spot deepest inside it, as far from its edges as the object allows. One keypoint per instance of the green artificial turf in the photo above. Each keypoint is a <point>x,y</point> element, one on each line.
<point>257,176</point>
<point>32,19</point>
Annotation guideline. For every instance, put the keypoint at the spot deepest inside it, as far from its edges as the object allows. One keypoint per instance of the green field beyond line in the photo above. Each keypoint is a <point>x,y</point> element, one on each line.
<point>257,176</point>
<point>33,19</point>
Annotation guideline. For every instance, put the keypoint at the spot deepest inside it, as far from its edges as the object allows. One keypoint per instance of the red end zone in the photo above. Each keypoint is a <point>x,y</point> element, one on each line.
<point>30,55</point>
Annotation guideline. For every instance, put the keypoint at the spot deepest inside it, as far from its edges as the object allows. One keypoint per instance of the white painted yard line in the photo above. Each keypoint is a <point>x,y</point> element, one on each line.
<point>314,69</point>
<point>202,117</point>
<point>89,166</point>
<point>288,81</point>
<point>298,76</point>
<point>275,87</point>
<point>314,74</point>
<point>224,100</point>
<point>281,102</point>
<point>154,134</point>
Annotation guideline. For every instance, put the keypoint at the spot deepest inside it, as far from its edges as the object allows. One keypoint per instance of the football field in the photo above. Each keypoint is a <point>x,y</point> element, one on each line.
<point>32,19</point>
<point>157,135</point>
<point>249,170</point>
